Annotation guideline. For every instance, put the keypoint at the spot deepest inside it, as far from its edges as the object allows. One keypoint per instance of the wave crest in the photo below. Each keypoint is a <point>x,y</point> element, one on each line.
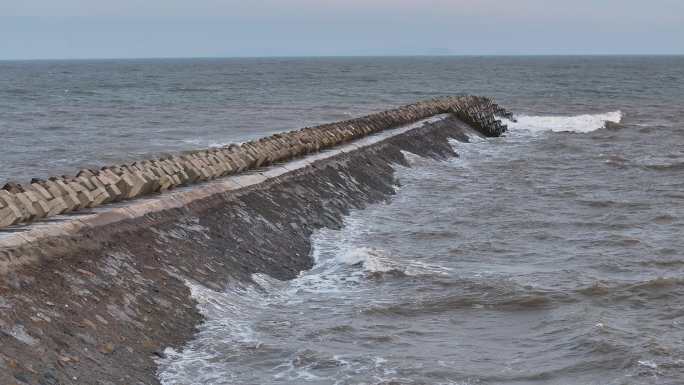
<point>377,262</point>
<point>577,123</point>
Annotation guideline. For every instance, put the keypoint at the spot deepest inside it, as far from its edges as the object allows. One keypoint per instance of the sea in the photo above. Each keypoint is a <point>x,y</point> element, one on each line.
<point>551,255</point>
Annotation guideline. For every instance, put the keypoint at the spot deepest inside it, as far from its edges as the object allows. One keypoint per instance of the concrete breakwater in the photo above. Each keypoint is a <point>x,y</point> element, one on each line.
<point>100,297</point>
<point>92,188</point>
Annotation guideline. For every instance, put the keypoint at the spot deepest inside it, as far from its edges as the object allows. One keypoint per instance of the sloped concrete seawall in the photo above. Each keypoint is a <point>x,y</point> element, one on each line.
<point>95,297</point>
<point>92,188</point>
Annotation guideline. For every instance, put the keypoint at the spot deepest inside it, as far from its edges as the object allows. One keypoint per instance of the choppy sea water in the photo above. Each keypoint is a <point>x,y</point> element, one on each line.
<point>553,255</point>
<point>59,116</point>
<point>542,257</point>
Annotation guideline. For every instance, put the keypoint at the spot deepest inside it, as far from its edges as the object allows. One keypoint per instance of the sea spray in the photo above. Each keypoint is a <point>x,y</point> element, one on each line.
<point>577,123</point>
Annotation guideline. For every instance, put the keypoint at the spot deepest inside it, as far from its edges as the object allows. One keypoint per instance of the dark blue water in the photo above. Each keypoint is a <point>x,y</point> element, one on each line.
<point>553,255</point>
<point>58,116</point>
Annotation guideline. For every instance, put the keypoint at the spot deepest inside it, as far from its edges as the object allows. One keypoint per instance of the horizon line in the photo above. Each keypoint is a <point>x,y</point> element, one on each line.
<point>343,56</point>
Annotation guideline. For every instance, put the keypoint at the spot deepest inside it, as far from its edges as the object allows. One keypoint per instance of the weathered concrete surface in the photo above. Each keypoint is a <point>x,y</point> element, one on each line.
<point>95,298</point>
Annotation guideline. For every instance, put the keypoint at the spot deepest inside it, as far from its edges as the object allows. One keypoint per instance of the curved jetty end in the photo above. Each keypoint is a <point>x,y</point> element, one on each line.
<point>93,267</point>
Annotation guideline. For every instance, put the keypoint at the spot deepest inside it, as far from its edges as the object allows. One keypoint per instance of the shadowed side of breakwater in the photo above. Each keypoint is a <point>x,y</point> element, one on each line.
<point>112,299</point>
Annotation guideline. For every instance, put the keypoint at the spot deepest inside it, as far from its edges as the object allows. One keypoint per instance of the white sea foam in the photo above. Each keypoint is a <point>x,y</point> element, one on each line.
<point>377,261</point>
<point>272,320</point>
<point>577,123</point>
<point>228,331</point>
<point>648,364</point>
<point>372,260</point>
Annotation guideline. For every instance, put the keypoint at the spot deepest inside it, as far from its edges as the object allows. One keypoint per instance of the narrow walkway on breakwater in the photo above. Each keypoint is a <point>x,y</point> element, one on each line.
<point>19,238</point>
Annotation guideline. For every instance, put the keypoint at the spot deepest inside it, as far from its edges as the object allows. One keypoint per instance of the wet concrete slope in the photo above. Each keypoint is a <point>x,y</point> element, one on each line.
<point>99,304</point>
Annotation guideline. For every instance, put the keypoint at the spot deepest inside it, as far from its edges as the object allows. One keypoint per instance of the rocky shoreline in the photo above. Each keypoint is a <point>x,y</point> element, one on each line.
<point>100,306</point>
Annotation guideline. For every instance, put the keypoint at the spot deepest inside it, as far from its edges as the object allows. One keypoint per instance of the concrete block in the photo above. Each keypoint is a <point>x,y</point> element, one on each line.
<point>249,159</point>
<point>13,187</point>
<point>224,162</point>
<point>112,190</point>
<point>195,163</point>
<point>100,196</point>
<point>203,169</point>
<point>82,194</point>
<point>215,164</point>
<point>56,204</point>
<point>176,162</point>
<point>132,185</point>
<point>11,213</point>
<point>165,167</point>
<point>24,205</point>
<point>68,196</point>
<point>240,165</point>
<point>151,181</point>
<point>85,181</point>
<point>39,205</point>
<point>9,216</point>
<point>85,173</point>
<point>40,190</point>
<point>193,172</point>
<point>165,183</point>
<point>182,177</point>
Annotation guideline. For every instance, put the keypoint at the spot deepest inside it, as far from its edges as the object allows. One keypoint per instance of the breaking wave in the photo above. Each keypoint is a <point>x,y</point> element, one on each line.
<point>578,123</point>
<point>375,261</point>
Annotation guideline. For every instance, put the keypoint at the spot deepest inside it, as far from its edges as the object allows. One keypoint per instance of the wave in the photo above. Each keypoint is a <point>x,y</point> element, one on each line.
<point>578,123</point>
<point>656,287</point>
<point>191,89</point>
<point>678,166</point>
<point>507,302</point>
<point>377,262</point>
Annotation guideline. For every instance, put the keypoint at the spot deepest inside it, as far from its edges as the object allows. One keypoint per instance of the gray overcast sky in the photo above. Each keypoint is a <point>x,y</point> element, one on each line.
<point>189,28</point>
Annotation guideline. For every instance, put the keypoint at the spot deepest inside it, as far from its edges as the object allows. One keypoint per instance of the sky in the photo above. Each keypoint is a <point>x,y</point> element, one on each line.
<point>70,29</point>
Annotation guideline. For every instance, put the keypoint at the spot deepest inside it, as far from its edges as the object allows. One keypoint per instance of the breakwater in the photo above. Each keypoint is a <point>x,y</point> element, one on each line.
<point>98,298</point>
<point>92,188</point>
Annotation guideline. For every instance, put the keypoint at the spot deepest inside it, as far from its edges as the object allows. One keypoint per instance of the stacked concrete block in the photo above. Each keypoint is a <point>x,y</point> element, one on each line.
<point>226,162</point>
<point>158,178</point>
<point>235,164</point>
<point>59,195</point>
<point>10,211</point>
<point>190,168</point>
<point>95,188</point>
<point>246,157</point>
<point>213,168</point>
<point>74,189</point>
<point>130,184</point>
<point>220,166</point>
<point>282,150</point>
<point>206,172</point>
<point>58,188</point>
<point>249,150</point>
<point>148,177</point>
<point>112,183</point>
<point>30,204</point>
<point>249,156</point>
<point>169,170</point>
<point>201,163</point>
<point>21,204</point>
<point>197,168</point>
<point>53,205</point>
<point>266,150</point>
